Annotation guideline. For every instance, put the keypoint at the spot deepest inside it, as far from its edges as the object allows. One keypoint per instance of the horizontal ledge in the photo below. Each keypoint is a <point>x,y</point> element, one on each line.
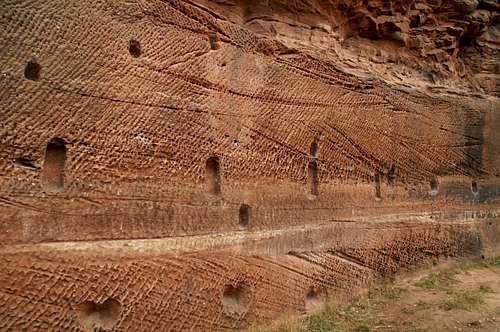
<point>184,244</point>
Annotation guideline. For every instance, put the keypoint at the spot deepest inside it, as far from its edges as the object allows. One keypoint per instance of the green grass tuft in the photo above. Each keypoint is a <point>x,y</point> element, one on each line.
<point>464,300</point>
<point>486,289</point>
<point>362,328</point>
<point>439,280</point>
<point>319,323</point>
<point>420,305</point>
<point>386,293</point>
<point>493,261</point>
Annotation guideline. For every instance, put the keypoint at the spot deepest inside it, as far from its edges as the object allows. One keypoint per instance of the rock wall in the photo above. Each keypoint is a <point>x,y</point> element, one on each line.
<point>203,165</point>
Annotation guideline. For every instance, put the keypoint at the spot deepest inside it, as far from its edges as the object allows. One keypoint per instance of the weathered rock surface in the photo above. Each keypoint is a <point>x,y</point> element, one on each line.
<point>202,165</point>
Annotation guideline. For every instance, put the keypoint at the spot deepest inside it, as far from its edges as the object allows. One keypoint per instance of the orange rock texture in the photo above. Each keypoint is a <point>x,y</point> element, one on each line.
<point>206,165</point>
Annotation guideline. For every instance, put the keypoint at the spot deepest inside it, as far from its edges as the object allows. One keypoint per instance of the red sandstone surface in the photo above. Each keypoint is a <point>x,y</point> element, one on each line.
<point>205,165</point>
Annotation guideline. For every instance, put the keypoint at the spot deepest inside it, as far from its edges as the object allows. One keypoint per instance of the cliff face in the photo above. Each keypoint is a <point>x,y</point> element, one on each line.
<point>432,44</point>
<point>203,165</point>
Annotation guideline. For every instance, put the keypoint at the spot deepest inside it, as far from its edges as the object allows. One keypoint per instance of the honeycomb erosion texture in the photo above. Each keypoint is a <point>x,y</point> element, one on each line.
<point>204,165</point>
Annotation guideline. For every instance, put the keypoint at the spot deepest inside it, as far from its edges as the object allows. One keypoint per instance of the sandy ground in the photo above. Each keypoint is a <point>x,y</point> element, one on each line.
<point>422,309</point>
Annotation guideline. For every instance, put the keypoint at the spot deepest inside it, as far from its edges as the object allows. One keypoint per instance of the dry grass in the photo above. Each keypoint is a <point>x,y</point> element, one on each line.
<point>359,316</point>
<point>446,278</point>
<point>466,299</point>
<point>364,315</point>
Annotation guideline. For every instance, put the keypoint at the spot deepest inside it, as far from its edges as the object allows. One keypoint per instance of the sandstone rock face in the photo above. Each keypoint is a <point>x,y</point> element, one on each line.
<point>205,165</point>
